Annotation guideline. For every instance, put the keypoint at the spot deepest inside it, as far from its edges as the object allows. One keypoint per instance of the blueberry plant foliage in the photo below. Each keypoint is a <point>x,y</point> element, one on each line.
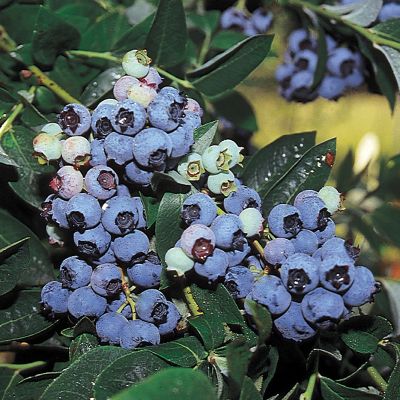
<point>192,250</point>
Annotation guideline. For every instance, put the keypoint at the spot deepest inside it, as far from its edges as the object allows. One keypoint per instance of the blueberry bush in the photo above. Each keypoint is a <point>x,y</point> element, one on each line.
<point>146,250</point>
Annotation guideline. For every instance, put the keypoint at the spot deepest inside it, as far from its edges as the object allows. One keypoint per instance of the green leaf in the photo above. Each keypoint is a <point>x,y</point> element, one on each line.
<point>236,109</point>
<point>266,167</point>
<point>324,349</point>
<point>166,42</point>
<point>335,391</point>
<point>249,391</point>
<point>8,379</point>
<point>81,345</point>
<point>184,352</point>
<point>263,320</point>
<point>227,70</point>
<point>365,12</point>
<point>76,381</point>
<point>151,207</point>
<point>21,319</point>
<point>360,342</point>
<point>173,383</point>
<point>170,181</point>
<point>204,136</point>
<point>101,85</point>
<point>273,359</point>
<point>392,289</point>
<point>207,22</point>
<point>211,332</point>
<point>393,57</point>
<point>389,29</point>
<point>13,260</point>
<point>311,171</point>
<point>238,357</point>
<point>5,159</point>
<point>40,269</point>
<point>393,389</point>
<point>386,220</point>
<point>27,390</point>
<point>18,145</point>
<point>223,40</point>
<point>47,41</point>
<point>126,371</point>
<point>320,70</point>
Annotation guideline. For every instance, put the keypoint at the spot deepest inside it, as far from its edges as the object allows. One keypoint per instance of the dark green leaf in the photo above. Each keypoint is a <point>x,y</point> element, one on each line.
<point>18,145</point>
<point>40,269</point>
<point>273,358</point>
<point>389,29</point>
<point>324,349</point>
<point>126,371</point>
<point>8,379</point>
<point>27,390</point>
<point>151,207</point>
<point>166,42</point>
<point>225,39</point>
<point>21,320</point>
<point>360,342</point>
<point>84,325</point>
<point>81,345</point>
<point>5,159</point>
<point>48,42</point>
<point>211,331</point>
<point>206,22</point>
<point>238,357</point>
<point>320,70</point>
<point>101,85</point>
<point>272,162</point>
<point>393,57</point>
<point>204,136</point>
<point>225,71</point>
<point>392,289</point>
<point>386,220</point>
<point>263,320</point>
<point>249,391</point>
<point>184,352</point>
<point>393,389</point>
<point>236,109</point>
<point>170,181</point>
<point>76,381</point>
<point>311,171</point>
<point>173,383</point>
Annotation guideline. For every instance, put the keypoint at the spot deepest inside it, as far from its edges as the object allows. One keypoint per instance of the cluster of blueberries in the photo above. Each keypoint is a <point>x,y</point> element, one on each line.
<point>257,22</point>
<point>389,10</point>
<point>344,69</point>
<point>306,277</point>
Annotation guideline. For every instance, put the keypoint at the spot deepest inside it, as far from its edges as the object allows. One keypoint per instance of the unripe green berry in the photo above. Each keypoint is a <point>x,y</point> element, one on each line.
<point>191,167</point>
<point>52,129</point>
<point>136,63</point>
<point>233,150</point>
<point>252,221</point>
<point>47,147</point>
<point>177,261</point>
<point>76,150</point>
<point>331,197</point>
<point>223,183</point>
<point>215,159</point>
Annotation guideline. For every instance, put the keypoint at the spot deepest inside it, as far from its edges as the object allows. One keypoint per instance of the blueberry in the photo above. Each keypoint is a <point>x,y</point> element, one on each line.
<point>146,274</point>
<point>270,292</point>
<point>299,40</point>
<point>283,73</point>
<point>152,79</point>
<point>109,327</point>
<point>116,302</point>
<point>137,175</point>
<point>305,242</point>
<point>83,211</point>
<point>331,87</point>
<point>331,197</point>
<point>101,120</point>
<point>107,258</point>
<point>123,190</point>
<point>53,209</point>
<point>223,183</point>
<point>191,167</point>
<point>106,280</point>
<point>244,197</point>
<point>363,289</point>
<point>74,119</point>
<point>390,10</point>
<point>118,148</point>
<point>182,140</point>
<point>355,79</point>
<point>228,230</point>
<point>254,263</point>
<point>98,155</point>
<point>120,215</point>
<point>93,242</point>
<point>233,18</point>
<point>75,273</point>
<point>47,147</point>
<point>167,109</point>
<point>76,151</point>
<point>301,87</point>
<point>142,94</point>
<point>235,257</point>
<point>313,213</point>
<point>136,63</point>
<point>331,43</point>
<point>138,334</point>
<point>322,308</point>
<point>151,148</point>
<point>67,183</point>
<point>233,151</point>
<point>128,117</point>
<point>173,317</point>
<point>293,326</point>
<point>199,208</point>
<point>216,159</point>
<point>337,245</point>
<point>337,273</point>
<point>84,302</point>
<point>327,233</point>
<point>306,60</point>
<point>132,247</point>
<point>304,194</point>
<point>239,281</point>
<point>54,298</point>
<point>341,62</point>
<point>214,267</point>
<point>101,182</point>
<point>151,306</point>
<point>299,273</point>
<point>122,86</point>
<point>198,241</point>
<point>284,221</point>
<point>261,19</point>
<point>278,250</point>
<point>253,222</point>
<point>177,261</point>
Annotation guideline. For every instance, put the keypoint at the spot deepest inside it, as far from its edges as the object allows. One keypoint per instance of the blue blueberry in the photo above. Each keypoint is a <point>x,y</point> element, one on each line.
<point>214,267</point>
<point>101,120</point>
<point>75,273</point>
<point>254,263</point>
<point>390,10</point>
<point>239,281</point>
<point>244,197</point>
<point>235,257</point>
<point>300,273</point>
<point>173,317</point>
<point>109,327</point>
<point>261,19</point>
<point>337,273</point>
<point>138,333</point>
<point>305,242</point>
<point>106,280</point>
<point>84,302</point>
<point>283,73</point>
<point>192,119</point>
<point>83,211</point>
<point>138,176</point>
<point>327,233</point>
<point>131,248</point>
<point>107,257</point>
<point>123,190</point>
<point>54,298</point>
<point>146,274</point>
<point>152,306</point>
<point>199,208</point>
<point>341,62</point>
<point>306,60</point>
<point>101,182</point>
<point>313,213</point>
<point>118,148</point>
<point>331,43</point>
<point>74,119</point>
<point>301,87</point>
<point>92,242</point>
<point>115,303</point>
<point>355,79</point>
<point>97,153</point>
<point>278,250</point>
<point>336,246</point>
<point>304,194</point>
<point>232,17</point>
<point>284,221</point>
<point>331,87</point>
<point>53,209</point>
<point>182,140</point>
<point>128,117</point>
<point>228,232</point>
<point>293,326</point>
<point>299,40</point>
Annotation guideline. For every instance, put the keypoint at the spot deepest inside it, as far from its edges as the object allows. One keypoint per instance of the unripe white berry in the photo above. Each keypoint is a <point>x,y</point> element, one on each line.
<point>76,150</point>
<point>178,261</point>
<point>233,150</point>
<point>191,167</point>
<point>252,221</point>
<point>331,197</point>
<point>47,147</point>
<point>142,94</point>
<point>122,86</point>
<point>223,183</point>
<point>136,63</point>
<point>215,159</point>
